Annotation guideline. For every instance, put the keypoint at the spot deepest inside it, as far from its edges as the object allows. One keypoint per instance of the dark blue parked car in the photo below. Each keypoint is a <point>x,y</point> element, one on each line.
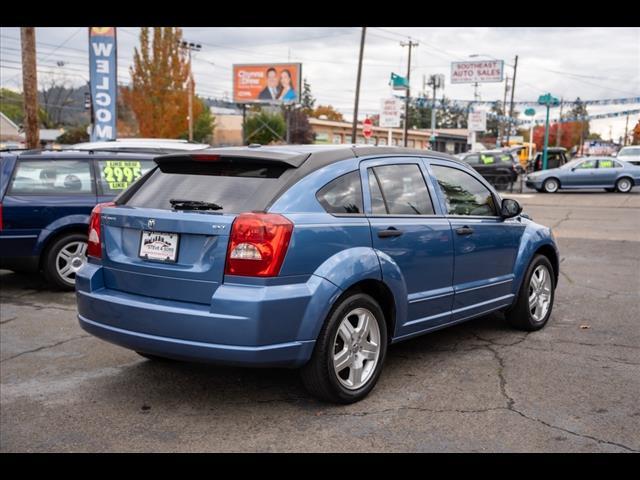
<point>46,198</point>
<point>309,256</point>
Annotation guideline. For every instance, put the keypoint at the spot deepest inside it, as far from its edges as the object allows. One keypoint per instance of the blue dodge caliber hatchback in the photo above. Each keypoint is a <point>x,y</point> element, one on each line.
<point>316,257</point>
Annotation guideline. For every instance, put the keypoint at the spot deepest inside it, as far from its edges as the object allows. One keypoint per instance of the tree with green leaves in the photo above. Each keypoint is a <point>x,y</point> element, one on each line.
<point>265,127</point>
<point>204,123</point>
<point>12,105</point>
<point>74,135</point>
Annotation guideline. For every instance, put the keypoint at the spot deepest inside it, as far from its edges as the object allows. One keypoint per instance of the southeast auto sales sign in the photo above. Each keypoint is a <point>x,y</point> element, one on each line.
<point>102,71</point>
<point>480,72</point>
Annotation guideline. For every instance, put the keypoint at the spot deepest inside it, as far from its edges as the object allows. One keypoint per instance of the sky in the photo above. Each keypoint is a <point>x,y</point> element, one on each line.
<point>590,63</point>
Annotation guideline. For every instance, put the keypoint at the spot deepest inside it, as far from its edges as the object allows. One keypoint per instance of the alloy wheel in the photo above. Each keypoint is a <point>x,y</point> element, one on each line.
<point>356,348</point>
<point>70,259</point>
<point>539,293</point>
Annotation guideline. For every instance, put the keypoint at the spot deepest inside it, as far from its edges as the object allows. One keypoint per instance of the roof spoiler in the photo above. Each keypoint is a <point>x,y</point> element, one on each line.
<point>289,159</point>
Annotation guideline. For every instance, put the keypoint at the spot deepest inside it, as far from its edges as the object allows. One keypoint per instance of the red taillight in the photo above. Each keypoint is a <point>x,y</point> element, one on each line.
<point>94,245</point>
<point>258,244</point>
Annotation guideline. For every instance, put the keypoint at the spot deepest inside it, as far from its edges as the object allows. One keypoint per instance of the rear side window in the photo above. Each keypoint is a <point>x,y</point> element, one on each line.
<point>52,177</point>
<point>402,189</point>
<point>117,175</point>
<point>472,159</point>
<point>464,195</point>
<point>608,164</point>
<point>237,186</point>
<point>342,195</point>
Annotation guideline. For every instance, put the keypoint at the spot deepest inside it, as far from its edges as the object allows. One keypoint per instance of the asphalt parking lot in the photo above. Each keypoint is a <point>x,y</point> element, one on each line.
<point>475,387</point>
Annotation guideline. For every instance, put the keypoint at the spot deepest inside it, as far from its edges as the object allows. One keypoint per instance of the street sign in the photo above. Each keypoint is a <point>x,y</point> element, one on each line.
<point>367,128</point>
<point>477,121</point>
<point>529,112</point>
<point>483,71</point>
<point>398,82</point>
<point>390,113</point>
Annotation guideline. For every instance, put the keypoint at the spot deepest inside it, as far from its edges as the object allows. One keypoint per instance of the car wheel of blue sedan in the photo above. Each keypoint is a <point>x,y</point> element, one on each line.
<point>349,353</point>
<point>535,299</point>
<point>551,185</point>
<point>624,185</point>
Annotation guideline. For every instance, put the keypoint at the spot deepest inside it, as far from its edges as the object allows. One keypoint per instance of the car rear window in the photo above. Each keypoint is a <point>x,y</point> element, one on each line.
<point>52,177</point>
<point>237,186</point>
<point>116,175</point>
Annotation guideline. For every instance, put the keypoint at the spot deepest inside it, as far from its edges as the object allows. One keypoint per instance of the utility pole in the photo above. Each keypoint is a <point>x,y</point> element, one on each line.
<point>30,86</point>
<point>354,127</point>
<point>189,47</point>
<point>409,44</point>
<point>504,110</point>
<point>626,129</point>
<point>559,129</point>
<point>513,89</point>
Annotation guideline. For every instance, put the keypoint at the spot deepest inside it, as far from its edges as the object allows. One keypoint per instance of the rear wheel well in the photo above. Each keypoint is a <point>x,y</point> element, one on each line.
<point>69,230</point>
<point>381,294</point>
<point>550,253</point>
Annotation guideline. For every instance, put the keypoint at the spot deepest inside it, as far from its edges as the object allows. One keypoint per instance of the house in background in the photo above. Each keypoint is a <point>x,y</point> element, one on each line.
<point>9,131</point>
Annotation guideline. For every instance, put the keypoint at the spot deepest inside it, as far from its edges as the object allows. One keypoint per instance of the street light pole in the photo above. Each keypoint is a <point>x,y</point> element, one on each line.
<point>408,94</point>
<point>354,126</point>
<point>513,89</point>
<point>189,47</point>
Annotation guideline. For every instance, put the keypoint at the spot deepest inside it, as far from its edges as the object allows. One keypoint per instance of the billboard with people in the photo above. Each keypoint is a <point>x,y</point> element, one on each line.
<point>267,83</point>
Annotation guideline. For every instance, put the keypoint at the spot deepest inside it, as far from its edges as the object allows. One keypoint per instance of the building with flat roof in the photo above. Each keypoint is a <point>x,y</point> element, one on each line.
<point>448,140</point>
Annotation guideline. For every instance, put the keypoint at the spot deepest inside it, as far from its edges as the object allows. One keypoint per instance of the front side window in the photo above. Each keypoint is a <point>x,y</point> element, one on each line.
<point>342,195</point>
<point>399,190</point>
<point>487,159</point>
<point>587,164</point>
<point>464,195</point>
<point>117,175</point>
<point>52,177</point>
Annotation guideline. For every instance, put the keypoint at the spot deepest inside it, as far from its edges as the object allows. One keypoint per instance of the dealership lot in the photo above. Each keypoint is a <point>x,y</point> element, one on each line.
<point>479,386</point>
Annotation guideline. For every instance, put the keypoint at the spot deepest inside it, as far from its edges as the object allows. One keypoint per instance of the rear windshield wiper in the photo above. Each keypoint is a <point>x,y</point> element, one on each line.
<point>193,205</point>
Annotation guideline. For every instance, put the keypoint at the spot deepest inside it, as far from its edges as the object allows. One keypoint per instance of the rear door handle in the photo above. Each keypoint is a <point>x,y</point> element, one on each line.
<point>390,232</point>
<point>464,230</point>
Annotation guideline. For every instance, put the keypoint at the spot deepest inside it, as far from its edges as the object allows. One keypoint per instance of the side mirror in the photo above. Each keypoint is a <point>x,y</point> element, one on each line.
<point>510,208</point>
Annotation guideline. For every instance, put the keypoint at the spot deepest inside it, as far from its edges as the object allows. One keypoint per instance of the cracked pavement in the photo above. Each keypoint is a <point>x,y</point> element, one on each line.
<point>476,387</point>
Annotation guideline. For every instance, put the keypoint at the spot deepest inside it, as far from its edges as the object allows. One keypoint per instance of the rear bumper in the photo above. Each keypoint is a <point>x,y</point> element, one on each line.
<point>248,325</point>
<point>290,354</point>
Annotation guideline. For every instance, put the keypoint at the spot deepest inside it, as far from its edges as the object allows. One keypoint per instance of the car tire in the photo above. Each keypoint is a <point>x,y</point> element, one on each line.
<point>67,252</point>
<point>551,185</point>
<point>624,185</point>
<point>524,314</point>
<point>330,382</point>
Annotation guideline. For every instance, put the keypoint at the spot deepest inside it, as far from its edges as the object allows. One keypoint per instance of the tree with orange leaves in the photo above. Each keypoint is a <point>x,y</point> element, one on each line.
<point>158,94</point>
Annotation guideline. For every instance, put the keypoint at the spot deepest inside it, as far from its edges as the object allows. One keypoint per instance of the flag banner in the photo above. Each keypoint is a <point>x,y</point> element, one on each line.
<point>103,79</point>
<point>585,118</point>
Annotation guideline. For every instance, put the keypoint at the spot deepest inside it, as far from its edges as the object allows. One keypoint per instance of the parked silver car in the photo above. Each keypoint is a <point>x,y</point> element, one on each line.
<point>630,154</point>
